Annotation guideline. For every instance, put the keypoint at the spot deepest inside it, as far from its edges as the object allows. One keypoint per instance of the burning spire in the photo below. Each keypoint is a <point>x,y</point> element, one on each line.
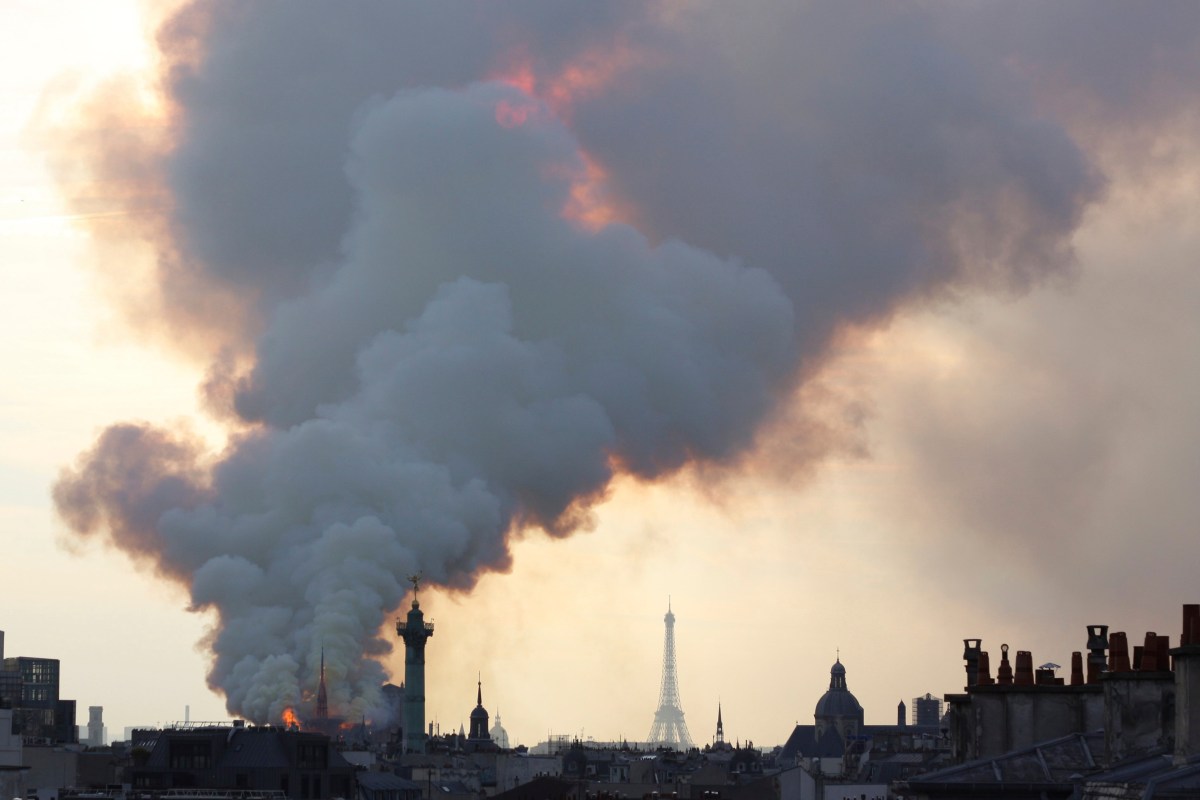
<point>322,696</point>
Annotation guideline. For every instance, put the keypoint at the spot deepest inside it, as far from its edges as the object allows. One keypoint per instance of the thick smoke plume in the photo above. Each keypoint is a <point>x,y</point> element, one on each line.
<point>488,256</point>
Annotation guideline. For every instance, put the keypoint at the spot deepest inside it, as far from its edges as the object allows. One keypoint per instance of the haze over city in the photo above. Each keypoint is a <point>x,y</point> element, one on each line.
<point>851,329</point>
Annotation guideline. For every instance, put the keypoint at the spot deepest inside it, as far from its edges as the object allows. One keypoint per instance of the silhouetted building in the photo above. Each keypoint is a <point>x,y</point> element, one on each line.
<point>842,751</point>
<point>386,786</point>
<point>39,712</point>
<point>1126,726</point>
<point>12,768</point>
<point>479,739</point>
<point>10,680</point>
<point>927,711</point>
<point>302,765</point>
<point>838,708</point>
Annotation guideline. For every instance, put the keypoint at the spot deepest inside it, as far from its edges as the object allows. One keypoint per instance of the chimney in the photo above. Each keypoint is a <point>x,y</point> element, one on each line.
<point>985,669</point>
<point>1164,653</point>
<point>1187,687</point>
<point>901,716</point>
<point>1024,675</point>
<point>1118,652</point>
<point>971,655</point>
<point>1191,626</point>
<point>1097,643</point>
<point>1004,675</point>
<point>1149,659</point>
<point>1077,668</point>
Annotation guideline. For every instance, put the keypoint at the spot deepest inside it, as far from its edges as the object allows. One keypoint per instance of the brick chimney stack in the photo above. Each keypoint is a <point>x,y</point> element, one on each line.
<point>971,656</point>
<point>1187,687</point>
<point>1097,643</point>
<point>1004,675</point>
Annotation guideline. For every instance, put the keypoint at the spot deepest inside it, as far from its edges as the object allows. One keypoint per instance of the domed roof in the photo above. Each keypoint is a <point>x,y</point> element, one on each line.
<point>838,704</point>
<point>838,701</point>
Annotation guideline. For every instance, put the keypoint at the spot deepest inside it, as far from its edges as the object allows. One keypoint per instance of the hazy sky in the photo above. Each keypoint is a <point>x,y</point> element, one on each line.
<point>844,326</point>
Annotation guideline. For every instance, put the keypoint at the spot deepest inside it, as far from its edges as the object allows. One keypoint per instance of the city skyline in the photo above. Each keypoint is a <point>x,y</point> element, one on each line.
<point>1009,463</point>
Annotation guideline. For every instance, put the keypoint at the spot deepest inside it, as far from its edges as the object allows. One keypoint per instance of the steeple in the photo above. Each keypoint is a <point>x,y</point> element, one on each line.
<point>479,717</point>
<point>720,725</point>
<point>322,697</point>
<point>837,674</point>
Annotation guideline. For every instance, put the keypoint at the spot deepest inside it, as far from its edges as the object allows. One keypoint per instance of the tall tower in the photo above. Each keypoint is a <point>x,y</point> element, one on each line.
<point>322,696</point>
<point>95,727</point>
<point>720,739</point>
<point>668,727</point>
<point>414,631</point>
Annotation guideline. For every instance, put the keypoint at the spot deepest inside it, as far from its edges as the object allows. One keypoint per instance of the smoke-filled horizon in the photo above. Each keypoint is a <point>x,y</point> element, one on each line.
<point>456,269</point>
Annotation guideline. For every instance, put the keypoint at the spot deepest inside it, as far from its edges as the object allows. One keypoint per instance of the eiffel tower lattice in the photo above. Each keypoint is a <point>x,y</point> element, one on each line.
<point>668,727</point>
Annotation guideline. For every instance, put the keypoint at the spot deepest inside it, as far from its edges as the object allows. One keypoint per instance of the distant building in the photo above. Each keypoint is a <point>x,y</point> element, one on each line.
<point>10,685</point>
<point>843,754</point>
<point>837,718</point>
<point>12,769</point>
<point>927,711</point>
<point>499,734</point>
<point>838,708</point>
<point>300,764</point>
<point>385,786</point>
<point>95,726</point>
<point>480,738</point>
<point>40,714</point>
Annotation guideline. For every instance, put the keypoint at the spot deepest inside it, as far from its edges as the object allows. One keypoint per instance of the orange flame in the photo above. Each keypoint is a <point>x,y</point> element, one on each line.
<point>289,719</point>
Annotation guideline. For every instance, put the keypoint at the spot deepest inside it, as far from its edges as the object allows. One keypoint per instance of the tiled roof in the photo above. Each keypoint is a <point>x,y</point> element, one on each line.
<point>1057,761</point>
<point>385,781</point>
<point>254,748</point>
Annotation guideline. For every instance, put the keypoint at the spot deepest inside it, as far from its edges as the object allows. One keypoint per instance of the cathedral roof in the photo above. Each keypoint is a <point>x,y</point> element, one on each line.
<point>838,701</point>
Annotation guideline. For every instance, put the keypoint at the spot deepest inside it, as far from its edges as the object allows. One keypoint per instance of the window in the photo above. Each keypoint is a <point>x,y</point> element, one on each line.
<point>190,755</point>
<point>311,755</point>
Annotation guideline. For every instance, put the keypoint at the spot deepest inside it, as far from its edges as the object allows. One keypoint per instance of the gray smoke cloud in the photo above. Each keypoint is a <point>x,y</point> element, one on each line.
<point>431,355</point>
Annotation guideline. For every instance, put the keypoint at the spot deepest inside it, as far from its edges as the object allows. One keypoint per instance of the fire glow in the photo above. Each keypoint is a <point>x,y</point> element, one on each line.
<point>587,204</point>
<point>290,720</point>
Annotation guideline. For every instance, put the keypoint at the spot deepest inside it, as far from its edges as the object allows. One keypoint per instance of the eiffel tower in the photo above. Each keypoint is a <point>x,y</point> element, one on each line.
<point>669,728</point>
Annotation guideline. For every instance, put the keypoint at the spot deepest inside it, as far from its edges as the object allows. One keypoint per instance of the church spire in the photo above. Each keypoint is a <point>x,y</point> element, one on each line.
<point>720,725</point>
<point>322,697</point>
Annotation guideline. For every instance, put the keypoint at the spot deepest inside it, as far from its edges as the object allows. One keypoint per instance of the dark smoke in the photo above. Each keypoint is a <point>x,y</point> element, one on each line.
<point>442,357</point>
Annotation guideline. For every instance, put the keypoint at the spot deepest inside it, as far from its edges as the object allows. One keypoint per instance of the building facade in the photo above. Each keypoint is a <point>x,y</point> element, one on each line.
<point>300,764</point>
